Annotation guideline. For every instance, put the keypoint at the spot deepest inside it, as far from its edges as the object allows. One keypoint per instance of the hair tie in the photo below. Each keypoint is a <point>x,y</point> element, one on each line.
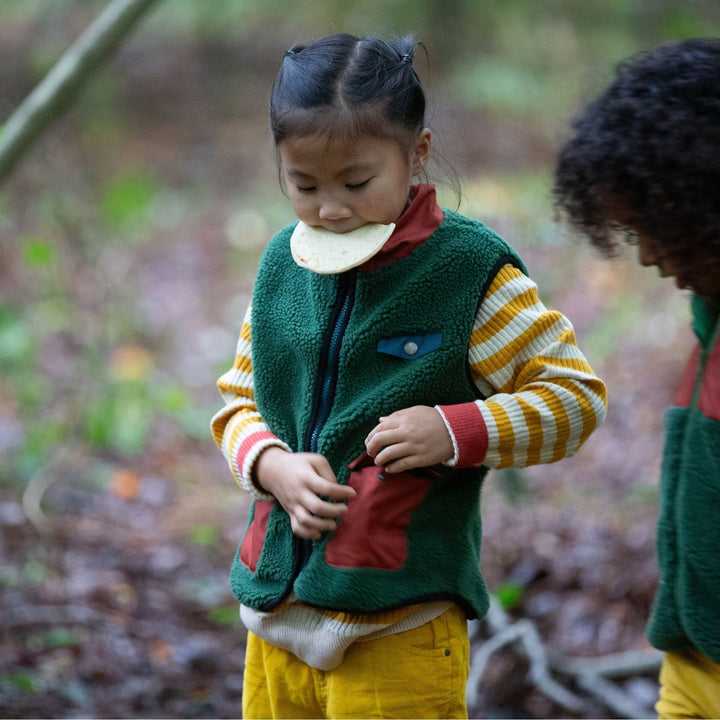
<point>294,50</point>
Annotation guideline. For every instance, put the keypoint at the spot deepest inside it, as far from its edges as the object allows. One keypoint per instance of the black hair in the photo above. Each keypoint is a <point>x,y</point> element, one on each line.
<point>649,145</point>
<point>344,84</point>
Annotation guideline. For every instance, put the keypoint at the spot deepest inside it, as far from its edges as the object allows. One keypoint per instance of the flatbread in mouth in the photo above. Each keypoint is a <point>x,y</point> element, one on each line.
<point>326,252</point>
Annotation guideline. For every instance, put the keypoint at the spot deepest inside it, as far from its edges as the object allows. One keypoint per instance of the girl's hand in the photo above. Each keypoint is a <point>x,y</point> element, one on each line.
<point>298,480</point>
<point>410,438</point>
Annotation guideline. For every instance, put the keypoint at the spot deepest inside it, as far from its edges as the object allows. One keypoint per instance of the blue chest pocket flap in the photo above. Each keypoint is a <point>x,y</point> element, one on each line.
<point>410,347</point>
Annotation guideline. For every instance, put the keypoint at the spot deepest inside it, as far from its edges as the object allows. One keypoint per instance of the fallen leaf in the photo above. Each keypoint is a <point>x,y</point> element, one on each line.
<point>125,484</point>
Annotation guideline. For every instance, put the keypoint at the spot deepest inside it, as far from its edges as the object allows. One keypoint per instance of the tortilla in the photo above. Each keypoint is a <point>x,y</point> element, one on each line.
<point>325,252</point>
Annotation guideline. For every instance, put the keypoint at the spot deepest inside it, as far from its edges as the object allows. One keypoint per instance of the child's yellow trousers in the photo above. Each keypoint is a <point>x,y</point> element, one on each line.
<point>418,673</point>
<point>690,686</point>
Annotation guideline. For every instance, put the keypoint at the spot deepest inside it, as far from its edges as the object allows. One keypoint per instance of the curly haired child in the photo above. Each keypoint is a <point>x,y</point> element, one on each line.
<point>643,165</point>
<point>393,352</point>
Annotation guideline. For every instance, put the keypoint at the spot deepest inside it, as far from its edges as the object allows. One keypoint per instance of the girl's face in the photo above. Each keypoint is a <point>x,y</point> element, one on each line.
<point>690,275</point>
<point>340,184</point>
<point>694,275</point>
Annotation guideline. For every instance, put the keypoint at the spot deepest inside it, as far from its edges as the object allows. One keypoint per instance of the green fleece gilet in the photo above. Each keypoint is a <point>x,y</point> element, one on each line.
<point>686,608</point>
<point>333,353</point>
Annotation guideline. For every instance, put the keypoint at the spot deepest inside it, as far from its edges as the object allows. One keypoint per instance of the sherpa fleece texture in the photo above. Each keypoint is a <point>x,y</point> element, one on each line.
<point>408,539</point>
<point>686,608</point>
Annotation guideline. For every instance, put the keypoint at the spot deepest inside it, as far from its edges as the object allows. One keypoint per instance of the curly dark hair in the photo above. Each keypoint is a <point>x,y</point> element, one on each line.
<point>650,145</point>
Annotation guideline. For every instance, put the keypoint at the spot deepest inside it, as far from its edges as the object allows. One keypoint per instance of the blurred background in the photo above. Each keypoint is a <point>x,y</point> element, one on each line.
<point>129,239</point>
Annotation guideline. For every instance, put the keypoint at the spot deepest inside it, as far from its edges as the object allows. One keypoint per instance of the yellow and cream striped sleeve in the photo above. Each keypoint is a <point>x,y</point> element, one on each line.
<point>542,398</point>
<point>237,428</point>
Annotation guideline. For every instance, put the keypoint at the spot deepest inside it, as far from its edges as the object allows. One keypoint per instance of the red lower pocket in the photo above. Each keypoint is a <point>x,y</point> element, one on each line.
<point>372,532</point>
<point>254,539</point>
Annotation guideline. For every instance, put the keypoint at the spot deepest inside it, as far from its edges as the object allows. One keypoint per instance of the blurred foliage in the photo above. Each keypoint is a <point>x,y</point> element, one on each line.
<point>509,594</point>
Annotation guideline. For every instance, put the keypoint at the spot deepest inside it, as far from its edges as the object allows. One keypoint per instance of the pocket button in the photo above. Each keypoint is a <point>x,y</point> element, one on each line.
<point>410,348</point>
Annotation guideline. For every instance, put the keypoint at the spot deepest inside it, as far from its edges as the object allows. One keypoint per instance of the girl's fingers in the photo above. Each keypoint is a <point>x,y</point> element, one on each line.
<point>326,483</point>
<point>392,453</point>
<point>322,509</point>
<point>310,527</point>
<point>380,438</point>
<point>334,491</point>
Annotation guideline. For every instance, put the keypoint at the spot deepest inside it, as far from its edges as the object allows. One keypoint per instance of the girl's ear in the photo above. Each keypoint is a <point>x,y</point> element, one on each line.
<point>421,151</point>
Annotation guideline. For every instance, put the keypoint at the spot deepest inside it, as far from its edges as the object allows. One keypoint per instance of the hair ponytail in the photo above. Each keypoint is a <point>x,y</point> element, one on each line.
<point>406,49</point>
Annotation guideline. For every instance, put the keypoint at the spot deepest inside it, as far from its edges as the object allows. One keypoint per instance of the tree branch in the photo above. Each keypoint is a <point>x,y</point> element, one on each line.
<point>523,633</point>
<point>589,674</point>
<point>55,92</point>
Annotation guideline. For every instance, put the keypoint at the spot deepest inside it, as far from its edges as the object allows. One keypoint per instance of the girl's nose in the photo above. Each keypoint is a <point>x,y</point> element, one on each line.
<point>647,255</point>
<point>333,210</point>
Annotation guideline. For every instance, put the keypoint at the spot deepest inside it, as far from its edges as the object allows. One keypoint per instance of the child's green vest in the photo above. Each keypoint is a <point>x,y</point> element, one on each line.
<point>331,355</point>
<point>686,608</point>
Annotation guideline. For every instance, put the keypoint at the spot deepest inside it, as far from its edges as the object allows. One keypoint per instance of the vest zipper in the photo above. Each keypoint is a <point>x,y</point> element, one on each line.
<point>330,359</point>
<point>327,380</point>
<point>323,398</point>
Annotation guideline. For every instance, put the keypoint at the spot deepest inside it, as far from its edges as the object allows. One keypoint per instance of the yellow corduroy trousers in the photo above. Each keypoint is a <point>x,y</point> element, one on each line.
<point>690,686</point>
<point>418,673</point>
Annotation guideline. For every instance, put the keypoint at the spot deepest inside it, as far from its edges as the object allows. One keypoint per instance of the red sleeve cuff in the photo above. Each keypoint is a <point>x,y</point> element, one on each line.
<point>469,433</point>
<point>248,453</point>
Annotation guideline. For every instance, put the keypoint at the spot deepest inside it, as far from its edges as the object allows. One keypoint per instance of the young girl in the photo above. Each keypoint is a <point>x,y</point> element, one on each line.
<point>374,385</point>
<point>644,160</point>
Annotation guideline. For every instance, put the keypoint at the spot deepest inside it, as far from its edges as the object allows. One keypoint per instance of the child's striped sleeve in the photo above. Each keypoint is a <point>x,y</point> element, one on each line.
<point>238,429</point>
<point>543,399</point>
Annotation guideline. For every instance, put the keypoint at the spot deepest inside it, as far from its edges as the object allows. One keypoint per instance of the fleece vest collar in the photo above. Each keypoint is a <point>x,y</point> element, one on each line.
<point>421,219</point>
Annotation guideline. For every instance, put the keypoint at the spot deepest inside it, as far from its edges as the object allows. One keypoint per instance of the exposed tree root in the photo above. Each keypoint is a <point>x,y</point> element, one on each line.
<point>591,675</point>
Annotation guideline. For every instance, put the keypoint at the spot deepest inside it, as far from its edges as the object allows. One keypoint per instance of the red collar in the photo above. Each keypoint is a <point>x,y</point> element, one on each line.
<point>421,219</point>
